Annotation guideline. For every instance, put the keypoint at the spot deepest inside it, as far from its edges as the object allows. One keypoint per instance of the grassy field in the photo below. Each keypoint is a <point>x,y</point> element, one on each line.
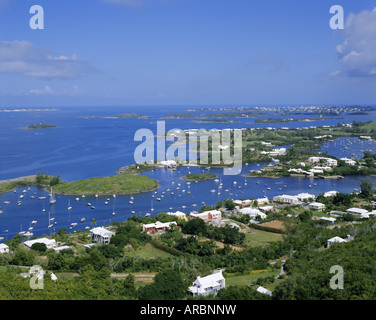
<point>246,279</point>
<point>117,184</point>
<point>258,237</point>
<point>147,251</point>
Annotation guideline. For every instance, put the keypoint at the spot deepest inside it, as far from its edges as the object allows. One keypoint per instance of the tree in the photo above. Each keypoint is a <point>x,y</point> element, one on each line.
<point>195,226</point>
<point>40,247</point>
<point>168,285</point>
<point>366,187</point>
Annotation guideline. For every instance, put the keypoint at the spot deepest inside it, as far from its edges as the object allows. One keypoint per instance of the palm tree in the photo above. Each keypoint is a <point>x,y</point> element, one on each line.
<point>93,222</point>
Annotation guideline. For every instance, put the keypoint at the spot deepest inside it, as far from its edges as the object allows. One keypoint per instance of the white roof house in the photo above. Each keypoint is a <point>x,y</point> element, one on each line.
<point>261,201</point>
<point>210,284</point>
<point>305,196</point>
<point>264,291</point>
<point>334,240</point>
<point>157,226</point>
<point>348,161</point>
<point>357,211</point>
<point>316,206</point>
<point>168,163</point>
<point>287,199</point>
<point>4,248</point>
<point>101,235</point>
<point>331,220</point>
<point>252,212</point>
<point>178,214</point>
<point>330,194</point>
<point>50,243</point>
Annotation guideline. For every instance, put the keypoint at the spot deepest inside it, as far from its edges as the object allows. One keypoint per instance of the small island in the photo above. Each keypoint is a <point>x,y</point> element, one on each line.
<point>121,184</point>
<point>128,115</point>
<point>40,126</point>
<point>199,177</point>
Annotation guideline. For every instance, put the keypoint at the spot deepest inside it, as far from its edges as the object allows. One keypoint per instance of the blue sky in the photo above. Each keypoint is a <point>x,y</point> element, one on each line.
<point>187,52</point>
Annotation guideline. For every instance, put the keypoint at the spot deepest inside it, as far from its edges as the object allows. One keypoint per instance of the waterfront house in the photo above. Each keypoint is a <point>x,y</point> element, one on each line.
<point>316,206</point>
<point>286,199</point>
<point>348,161</point>
<point>306,196</point>
<point>157,227</point>
<point>210,215</point>
<point>262,201</point>
<point>328,161</point>
<point>4,248</point>
<point>210,284</point>
<point>50,243</point>
<point>168,164</point>
<point>179,215</point>
<point>101,235</point>
<point>330,194</point>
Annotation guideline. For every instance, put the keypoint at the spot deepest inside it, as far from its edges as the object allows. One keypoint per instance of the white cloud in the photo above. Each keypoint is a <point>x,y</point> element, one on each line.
<point>45,90</point>
<point>357,53</point>
<point>24,58</point>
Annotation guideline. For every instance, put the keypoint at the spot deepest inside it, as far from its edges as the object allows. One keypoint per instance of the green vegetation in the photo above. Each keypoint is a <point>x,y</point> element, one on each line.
<point>116,184</point>
<point>41,126</point>
<point>126,115</point>
<point>41,179</point>
<point>199,177</point>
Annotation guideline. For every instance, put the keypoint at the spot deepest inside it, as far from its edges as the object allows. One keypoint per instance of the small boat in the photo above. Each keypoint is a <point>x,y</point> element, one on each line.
<point>113,213</point>
<point>52,198</point>
<point>147,215</point>
<point>158,199</point>
<point>131,202</point>
<point>212,190</point>
<point>92,207</point>
<point>77,199</point>
<point>88,204</point>
<point>34,222</point>
<point>82,219</point>
<point>73,224</point>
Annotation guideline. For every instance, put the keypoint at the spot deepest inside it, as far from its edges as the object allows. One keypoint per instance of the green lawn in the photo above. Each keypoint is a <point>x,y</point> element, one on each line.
<point>258,237</point>
<point>243,280</point>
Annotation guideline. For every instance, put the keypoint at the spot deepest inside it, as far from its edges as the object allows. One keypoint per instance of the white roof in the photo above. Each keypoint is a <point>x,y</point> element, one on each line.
<point>305,196</point>
<point>177,213</point>
<point>102,232</point>
<point>317,204</point>
<point>357,210</point>
<point>211,280</point>
<point>3,246</point>
<point>47,242</point>
<point>337,239</point>
<point>264,290</point>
